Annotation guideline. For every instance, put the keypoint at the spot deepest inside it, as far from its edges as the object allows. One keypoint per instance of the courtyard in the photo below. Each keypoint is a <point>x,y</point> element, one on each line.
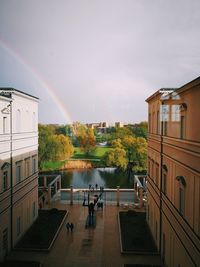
<point>86,247</point>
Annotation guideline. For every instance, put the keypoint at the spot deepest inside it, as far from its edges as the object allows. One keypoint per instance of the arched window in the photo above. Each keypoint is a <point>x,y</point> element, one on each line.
<point>164,185</point>
<point>18,121</point>
<point>182,186</point>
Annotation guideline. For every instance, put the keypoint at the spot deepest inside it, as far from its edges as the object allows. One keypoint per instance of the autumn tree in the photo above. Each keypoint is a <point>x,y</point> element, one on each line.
<point>86,139</point>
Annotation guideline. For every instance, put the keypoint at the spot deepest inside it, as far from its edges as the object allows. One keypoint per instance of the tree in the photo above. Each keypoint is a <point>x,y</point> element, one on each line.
<point>86,139</point>
<point>139,129</point>
<point>66,130</point>
<point>45,143</point>
<point>65,148</point>
<point>116,157</point>
<point>53,147</point>
<point>128,150</point>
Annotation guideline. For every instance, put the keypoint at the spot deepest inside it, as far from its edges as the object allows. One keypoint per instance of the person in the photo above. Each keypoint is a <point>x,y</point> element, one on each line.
<point>68,226</point>
<point>96,186</point>
<point>72,227</point>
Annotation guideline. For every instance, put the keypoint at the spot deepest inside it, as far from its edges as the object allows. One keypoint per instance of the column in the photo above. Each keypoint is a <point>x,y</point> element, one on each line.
<point>141,196</point>
<point>49,194</point>
<point>118,195</point>
<point>71,195</point>
<point>55,185</point>
<point>45,181</point>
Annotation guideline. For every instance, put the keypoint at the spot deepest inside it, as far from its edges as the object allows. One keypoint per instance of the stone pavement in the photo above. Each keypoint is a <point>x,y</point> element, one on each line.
<point>99,247</point>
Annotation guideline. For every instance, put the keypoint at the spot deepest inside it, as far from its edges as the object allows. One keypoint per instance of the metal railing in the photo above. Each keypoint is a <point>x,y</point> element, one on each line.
<point>108,196</point>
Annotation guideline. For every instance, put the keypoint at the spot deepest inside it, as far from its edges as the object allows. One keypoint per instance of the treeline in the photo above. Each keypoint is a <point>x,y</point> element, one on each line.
<point>129,144</point>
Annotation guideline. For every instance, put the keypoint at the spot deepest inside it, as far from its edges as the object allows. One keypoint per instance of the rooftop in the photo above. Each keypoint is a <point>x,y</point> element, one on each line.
<point>7,92</point>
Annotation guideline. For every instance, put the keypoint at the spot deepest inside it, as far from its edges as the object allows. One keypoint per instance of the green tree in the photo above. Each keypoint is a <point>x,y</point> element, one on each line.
<point>53,147</point>
<point>139,129</point>
<point>47,143</point>
<point>116,157</point>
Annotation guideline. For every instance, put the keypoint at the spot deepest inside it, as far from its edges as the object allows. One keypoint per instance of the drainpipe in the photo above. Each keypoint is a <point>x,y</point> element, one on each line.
<point>161,178</point>
<point>11,179</point>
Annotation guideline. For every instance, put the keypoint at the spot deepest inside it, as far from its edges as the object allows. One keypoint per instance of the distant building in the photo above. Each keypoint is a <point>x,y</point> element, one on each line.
<point>173,185</point>
<point>18,166</point>
<point>99,126</point>
<point>119,124</point>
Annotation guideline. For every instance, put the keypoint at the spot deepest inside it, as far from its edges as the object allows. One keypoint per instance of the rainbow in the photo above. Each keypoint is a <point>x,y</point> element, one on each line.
<point>48,88</point>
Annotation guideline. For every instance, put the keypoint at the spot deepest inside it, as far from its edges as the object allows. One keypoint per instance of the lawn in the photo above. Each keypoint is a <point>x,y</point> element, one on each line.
<point>50,166</point>
<point>78,154</point>
<point>43,231</point>
<point>135,233</point>
<point>98,153</point>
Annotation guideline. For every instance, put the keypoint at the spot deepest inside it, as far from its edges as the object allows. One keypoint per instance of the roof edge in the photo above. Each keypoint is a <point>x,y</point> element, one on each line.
<point>16,90</point>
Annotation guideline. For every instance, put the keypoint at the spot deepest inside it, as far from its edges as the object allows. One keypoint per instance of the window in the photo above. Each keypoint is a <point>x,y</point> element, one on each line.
<point>165,170</point>
<point>34,122</point>
<point>153,122</point>
<point>175,113</point>
<point>4,125</point>
<point>157,174</point>
<point>164,118</point>
<point>18,121</point>
<point>164,127</point>
<point>182,127</point>
<point>158,123</point>
<point>18,172</point>
<point>34,165</point>
<point>5,180</point>
<point>27,167</point>
<point>182,186</point>
<point>18,226</point>
<point>33,209</point>
<point>149,123</point>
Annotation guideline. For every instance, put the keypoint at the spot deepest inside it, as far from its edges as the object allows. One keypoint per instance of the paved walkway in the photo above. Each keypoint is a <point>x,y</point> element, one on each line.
<point>99,247</point>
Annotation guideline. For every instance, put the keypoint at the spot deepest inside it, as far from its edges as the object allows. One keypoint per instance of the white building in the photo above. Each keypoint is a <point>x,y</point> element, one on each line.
<point>18,166</point>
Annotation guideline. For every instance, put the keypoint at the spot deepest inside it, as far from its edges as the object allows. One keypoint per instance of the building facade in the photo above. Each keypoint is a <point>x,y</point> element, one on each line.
<point>18,166</point>
<point>173,210</point>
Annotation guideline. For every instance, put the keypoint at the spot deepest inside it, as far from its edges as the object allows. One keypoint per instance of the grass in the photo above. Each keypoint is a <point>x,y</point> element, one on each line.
<point>135,233</point>
<point>98,153</point>
<point>43,231</point>
<point>95,156</point>
<point>50,166</point>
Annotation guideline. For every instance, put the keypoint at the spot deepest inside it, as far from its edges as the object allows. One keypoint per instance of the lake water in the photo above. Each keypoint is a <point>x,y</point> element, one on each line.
<point>105,177</point>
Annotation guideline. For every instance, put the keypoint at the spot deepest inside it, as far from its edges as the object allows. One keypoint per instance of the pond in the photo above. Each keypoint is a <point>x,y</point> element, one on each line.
<point>104,177</point>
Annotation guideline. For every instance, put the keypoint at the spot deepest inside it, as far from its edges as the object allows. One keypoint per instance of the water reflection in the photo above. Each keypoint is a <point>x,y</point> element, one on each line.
<point>106,177</point>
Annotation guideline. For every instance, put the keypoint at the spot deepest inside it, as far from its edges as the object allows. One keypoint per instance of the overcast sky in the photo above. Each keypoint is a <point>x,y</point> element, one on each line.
<point>97,60</point>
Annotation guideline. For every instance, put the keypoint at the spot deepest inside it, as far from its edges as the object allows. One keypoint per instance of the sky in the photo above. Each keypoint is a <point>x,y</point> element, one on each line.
<point>97,60</point>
